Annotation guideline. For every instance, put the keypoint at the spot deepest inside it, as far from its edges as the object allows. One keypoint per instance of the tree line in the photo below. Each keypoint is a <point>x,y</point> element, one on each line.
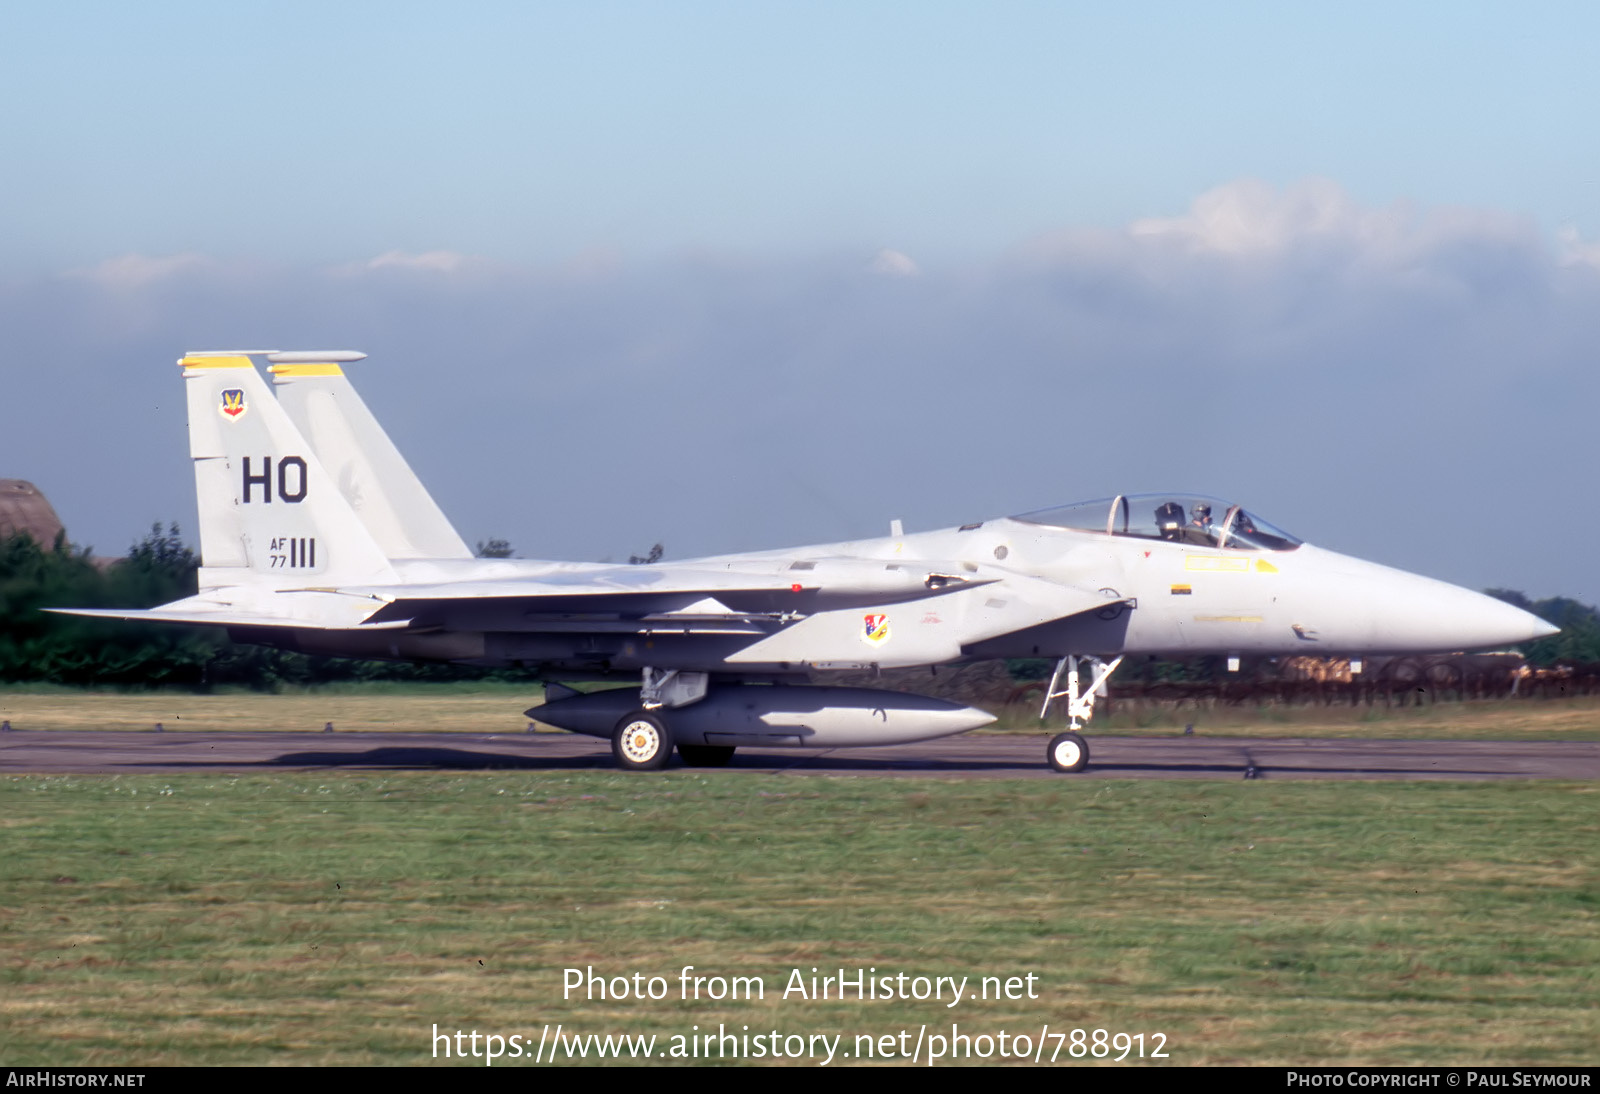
<point>39,647</point>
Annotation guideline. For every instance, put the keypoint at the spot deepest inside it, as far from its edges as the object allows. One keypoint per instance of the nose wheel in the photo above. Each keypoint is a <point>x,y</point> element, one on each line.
<point>1068,752</point>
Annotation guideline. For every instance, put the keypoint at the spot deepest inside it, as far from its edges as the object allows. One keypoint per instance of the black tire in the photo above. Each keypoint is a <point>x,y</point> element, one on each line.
<point>706,755</point>
<point>641,742</point>
<point>1068,752</point>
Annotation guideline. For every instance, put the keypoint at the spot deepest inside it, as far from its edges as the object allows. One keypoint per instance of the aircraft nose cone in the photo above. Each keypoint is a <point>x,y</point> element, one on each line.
<point>1457,618</point>
<point>1502,624</point>
<point>1384,610</point>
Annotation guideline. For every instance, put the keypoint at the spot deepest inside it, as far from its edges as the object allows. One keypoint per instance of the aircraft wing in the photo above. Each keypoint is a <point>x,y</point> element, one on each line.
<point>598,600</point>
<point>815,622</point>
<point>639,591</point>
<point>876,615</point>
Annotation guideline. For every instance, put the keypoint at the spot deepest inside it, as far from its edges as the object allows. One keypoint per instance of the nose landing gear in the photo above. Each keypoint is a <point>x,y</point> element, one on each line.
<point>1068,751</point>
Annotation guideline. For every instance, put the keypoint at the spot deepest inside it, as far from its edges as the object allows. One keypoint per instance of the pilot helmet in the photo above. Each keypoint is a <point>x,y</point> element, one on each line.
<point>1201,511</point>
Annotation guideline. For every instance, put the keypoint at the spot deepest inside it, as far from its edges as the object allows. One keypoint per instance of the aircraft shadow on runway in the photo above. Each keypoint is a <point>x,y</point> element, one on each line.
<point>435,758</point>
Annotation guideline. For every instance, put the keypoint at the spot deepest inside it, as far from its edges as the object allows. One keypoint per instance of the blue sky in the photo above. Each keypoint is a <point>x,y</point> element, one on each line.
<point>323,132</point>
<point>738,275</point>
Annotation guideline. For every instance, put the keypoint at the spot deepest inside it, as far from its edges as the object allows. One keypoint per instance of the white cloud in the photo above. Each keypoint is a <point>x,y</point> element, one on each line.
<point>1574,250</point>
<point>136,271</point>
<point>1250,218</point>
<point>888,263</point>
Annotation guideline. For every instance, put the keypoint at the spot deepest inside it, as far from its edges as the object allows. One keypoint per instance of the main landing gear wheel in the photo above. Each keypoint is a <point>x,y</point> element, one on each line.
<point>706,755</point>
<point>1068,752</point>
<point>641,742</point>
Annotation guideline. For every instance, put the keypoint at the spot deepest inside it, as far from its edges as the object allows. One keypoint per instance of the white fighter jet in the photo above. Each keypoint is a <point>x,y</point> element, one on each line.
<point>315,535</point>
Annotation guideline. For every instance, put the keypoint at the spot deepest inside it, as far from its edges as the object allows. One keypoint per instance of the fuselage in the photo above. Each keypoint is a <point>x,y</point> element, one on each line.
<point>933,597</point>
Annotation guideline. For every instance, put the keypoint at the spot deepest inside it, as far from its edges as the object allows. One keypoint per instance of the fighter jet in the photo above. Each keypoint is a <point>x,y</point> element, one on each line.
<point>315,535</point>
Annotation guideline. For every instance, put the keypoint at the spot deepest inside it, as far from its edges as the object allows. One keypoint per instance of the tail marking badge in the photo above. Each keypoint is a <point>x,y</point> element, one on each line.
<point>233,404</point>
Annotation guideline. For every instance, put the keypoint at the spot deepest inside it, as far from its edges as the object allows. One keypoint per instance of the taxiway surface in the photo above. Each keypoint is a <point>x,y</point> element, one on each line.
<point>1009,756</point>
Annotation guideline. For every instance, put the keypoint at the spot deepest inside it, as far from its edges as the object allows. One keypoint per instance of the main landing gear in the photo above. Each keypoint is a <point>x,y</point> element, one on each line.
<point>1068,751</point>
<point>643,740</point>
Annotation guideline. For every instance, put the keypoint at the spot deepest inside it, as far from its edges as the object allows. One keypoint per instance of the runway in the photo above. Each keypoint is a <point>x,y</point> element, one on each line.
<point>972,756</point>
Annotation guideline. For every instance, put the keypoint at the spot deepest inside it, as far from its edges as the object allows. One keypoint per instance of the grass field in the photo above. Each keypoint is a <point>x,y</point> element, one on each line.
<point>315,918</point>
<point>434,708</point>
<point>497,708</point>
<point>1576,719</point>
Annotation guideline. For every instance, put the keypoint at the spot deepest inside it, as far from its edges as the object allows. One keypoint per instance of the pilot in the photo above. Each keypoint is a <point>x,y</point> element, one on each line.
<point>1245,528</point>
<point>1169,521</point>
<point>1200,528</point>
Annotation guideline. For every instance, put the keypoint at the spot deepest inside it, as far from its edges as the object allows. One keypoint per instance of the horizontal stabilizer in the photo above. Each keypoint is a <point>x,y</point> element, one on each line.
<point>220,619</point>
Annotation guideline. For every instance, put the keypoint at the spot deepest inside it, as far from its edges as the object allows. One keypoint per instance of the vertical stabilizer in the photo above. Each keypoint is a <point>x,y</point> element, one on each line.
<point>270,515</point>
<point>368,469</point>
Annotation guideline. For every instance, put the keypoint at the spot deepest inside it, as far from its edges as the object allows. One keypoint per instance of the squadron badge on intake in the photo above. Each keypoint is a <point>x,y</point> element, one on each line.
<point>876,632</point>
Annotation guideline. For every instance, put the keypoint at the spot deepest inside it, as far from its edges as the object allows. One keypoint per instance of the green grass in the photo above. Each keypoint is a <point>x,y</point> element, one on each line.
<point>312,918</point>
<point>1576,719</point>
<point>497,708</point>
<point>383,707</point>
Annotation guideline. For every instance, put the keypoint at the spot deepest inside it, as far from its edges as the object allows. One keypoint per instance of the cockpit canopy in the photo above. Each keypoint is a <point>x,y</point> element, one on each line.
<point>1177,518</point>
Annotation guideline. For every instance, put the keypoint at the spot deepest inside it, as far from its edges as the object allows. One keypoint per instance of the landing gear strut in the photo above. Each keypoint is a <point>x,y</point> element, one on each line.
<point>1069,751</point>
<point>642,741</point>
